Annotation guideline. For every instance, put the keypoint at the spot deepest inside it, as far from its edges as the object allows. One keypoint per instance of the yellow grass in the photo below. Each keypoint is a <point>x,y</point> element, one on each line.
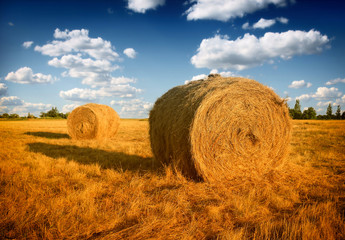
<point>53,187</point>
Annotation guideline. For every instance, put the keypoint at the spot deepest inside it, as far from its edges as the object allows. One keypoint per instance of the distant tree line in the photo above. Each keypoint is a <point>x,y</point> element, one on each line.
<point>310,113</point>
<point>12,115</point>
<point>53,113</point>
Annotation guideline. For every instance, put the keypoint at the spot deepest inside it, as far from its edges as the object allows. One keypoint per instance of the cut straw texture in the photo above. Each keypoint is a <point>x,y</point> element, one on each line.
<point>93,121</point>
<point>220,128</point>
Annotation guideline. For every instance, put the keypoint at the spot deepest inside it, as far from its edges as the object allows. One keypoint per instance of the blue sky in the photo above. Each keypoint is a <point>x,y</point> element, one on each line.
<point>127,53</point>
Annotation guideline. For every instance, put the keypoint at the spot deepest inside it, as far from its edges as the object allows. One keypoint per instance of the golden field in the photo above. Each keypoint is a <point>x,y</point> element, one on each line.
<point>53,187</point>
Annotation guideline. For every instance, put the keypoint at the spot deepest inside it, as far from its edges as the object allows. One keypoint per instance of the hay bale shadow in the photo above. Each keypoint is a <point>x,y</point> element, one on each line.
<point>49,135</point>
<point>107,160</point>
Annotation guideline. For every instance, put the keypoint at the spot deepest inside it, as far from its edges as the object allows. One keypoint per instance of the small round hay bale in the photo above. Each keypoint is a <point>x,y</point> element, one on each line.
<point>93,121</point>
<point>220,128</point>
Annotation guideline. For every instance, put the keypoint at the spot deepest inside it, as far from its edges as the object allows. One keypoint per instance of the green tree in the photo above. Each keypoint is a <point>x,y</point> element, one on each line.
<point>338,113</point>
<point>321,117</point>
<point>54,112</point>
<point>343,115</point>
<point>297,113</point>
<point>30,115</point>
<point>309,113</point>
<point>5,115</point>
<point>63,115</point>
<point>305,114</point>
<point>14,115</point>
<point>43,115</point>
<point>329,112</point>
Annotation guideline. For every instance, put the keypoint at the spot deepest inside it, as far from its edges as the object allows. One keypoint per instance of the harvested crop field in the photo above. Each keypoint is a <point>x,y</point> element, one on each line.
<point>54,187</point>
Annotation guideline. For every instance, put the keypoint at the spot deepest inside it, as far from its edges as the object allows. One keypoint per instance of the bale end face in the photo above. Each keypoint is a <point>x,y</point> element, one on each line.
<point>92,121</point>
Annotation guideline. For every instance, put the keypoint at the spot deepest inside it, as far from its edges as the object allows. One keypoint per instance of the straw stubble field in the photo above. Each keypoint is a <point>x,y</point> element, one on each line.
<point>53,187</point>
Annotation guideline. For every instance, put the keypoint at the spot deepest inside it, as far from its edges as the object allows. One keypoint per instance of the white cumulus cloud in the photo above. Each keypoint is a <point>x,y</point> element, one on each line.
<point>282,20</point>
<point>14,104</point>
<point>224,73</point>
<point>123,90</point>
<point>223,10</point>
<point>322,94</point>
<point>264,23</point>
<point>69,107</point>
<point>326,93</point>
<point>322,104</point>
<point>79,94</point>
<point>300,84</point>
<point>25,75</point>
<point>92,71</point>
<point>213,71</point>
<point>195,78</point>
<point>3,109</point>
<point>130,52</point>
<point>141,6</point>
<point>27,44</point>
<point>78,41</point>
<point>335,81</point>
<point>33,108</point>
<point>135,108</point>
<point>3,89</point>
<point>86,58</point>
<point>245,25</point>
<point>90,95</point>
<point>11,101</point>
<point>249,51</point>
<point>304,97</point>
<point>340,100</point>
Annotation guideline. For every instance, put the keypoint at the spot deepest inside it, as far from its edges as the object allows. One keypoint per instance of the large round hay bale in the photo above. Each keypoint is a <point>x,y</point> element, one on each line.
<point>93,121</point>
<point>220,128</point>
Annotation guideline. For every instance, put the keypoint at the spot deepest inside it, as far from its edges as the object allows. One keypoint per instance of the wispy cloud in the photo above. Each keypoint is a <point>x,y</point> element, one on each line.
<point>335,81</point>
<point>27,44</point>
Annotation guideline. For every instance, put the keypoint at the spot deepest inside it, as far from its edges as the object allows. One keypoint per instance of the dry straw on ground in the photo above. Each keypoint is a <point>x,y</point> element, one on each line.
<point>220,128</point>
<point>93,121</point>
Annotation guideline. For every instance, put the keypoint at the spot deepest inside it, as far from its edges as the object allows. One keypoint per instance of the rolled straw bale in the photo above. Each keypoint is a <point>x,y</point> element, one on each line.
<point>220,128</point>
<point>93,121</point>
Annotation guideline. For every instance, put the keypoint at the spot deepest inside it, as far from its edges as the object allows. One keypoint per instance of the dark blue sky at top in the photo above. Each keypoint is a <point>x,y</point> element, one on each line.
<point>165,42</point>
